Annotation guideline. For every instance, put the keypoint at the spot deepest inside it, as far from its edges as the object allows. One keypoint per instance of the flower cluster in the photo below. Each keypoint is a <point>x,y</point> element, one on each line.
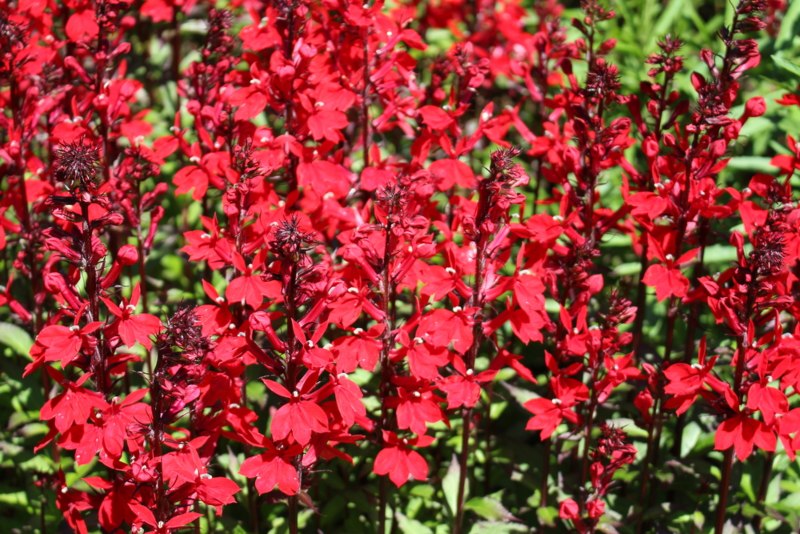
<point>319,247</point>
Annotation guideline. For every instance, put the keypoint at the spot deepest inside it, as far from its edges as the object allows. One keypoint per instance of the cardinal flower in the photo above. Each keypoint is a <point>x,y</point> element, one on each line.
<point>464,387</point>
<point>132,328</point>
<point>57,343</point>
<point>273,469</point>
<point>398,460</point>
<point>548,414</point>
<point>743,433</point>
<point>301,416</point>
<point>667,278</point>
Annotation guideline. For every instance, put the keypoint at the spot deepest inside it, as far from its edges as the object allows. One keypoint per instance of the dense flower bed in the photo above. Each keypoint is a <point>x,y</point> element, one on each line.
<point>302,265</point>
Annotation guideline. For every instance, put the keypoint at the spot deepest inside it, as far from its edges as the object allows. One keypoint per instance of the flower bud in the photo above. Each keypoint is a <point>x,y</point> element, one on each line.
<point>755,107</point>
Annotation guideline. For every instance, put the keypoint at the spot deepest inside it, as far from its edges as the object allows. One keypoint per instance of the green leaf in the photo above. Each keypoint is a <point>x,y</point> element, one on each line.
<point>450,485</point>
<point>696,518</point>
<point>37,464</point>
<point>551,306</point>
<point>790,503</point>
<point>425,491</point>
<point>666,21</point>
<point>520,395</point>
<point>172,267</point>
<point>691,433</point>
<point>489,508</point>
<point>547,516</point>
<point>751,163</point>
<point>774,489</point>
<point>746,483</point>
<point>411,526</point>
<point>628,269</point>
<point>719,254</point>
<point>17,498</point>
<point>496,527</point>
<point>785,64</point>
<point>629,426</point>
<point>15,338</point>
<point>788,23</point>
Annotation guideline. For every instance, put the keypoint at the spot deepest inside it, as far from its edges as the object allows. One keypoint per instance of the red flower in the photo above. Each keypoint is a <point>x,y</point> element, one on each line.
<point>463,388</point>
<point>82,25</point>
<point>300,417</point>
<point>348,400</point>
<point>73,406</point>
<point>743,433</point>
<point>249,288</point>
<point>56,343</point>
<point>271,470</point>
<point>435,118</point>
<point>548,414</point>
<point>146,516</point>
<point>186,467</point>
<point>668,279</point>
<point>132,328</point>
<point>121,419</point>
<point>686,381</point>
<point>416,406</point>
<point>399,461</point>
<point>569,510</point>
